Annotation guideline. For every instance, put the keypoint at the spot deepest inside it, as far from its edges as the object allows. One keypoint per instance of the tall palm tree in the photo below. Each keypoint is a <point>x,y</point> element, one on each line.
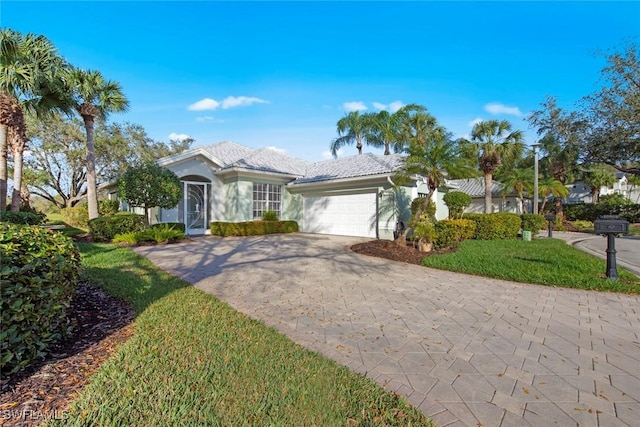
<point>388,129</point>
<point>94,97</point>
<point>492,143</point>
<point>28,81</point>
<point>520,181</point>
<point>552,187</point>
<point>351,128</point>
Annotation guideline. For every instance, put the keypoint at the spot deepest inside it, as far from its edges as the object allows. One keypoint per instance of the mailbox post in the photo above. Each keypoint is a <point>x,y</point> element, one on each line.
<point>610,225</point>
<point>550,217</point>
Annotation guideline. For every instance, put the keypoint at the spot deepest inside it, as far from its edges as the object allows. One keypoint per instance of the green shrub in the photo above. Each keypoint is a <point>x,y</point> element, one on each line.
<point>105,228</point>
<point>40,270</point>
<point>429,212</point>
<point>453,231</point>
<point>425,229</point>
<point>591,212</point>
<point>457,202</point>
<point>495,226</point>
<point>269,216</point>
<point>162,233</point>
<point>252,228</point>
<point>532,222</point>
<point>77,216</point>
<point>108,207</point>
<point>25,218</point>
<point>583,225</point>
<point>159,233</point>
<point>173,225</point>
<point>130,238</point>
<point>613,200</point>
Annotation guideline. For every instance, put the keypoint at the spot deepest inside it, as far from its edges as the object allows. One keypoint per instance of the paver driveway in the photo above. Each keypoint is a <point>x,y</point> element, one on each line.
<point>465,350</point>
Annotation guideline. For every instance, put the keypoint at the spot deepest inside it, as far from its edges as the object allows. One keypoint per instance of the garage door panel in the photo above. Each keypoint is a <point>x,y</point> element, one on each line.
<point>347,215</point>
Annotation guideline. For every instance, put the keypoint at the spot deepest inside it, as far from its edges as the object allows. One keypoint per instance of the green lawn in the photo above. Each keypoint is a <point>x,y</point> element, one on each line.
<point>193,360</point>
<point>549,262</point>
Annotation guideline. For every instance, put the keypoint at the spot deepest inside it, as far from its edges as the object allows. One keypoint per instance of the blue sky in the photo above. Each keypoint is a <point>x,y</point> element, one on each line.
<point>281,74</point>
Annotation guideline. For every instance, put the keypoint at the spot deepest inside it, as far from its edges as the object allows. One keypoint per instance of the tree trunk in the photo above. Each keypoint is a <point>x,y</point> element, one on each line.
<point>4,147</point>
<point>17,180</point>
<point>92,190</point>
<point>488,179</point>
<point>402,240</point>
<point>595,195</point>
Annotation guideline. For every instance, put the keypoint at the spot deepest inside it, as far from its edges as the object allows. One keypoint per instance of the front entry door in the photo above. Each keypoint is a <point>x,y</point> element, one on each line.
<point>195,208</point>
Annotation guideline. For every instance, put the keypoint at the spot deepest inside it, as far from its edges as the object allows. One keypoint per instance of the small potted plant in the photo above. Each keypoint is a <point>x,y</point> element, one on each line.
<point>424,234</point>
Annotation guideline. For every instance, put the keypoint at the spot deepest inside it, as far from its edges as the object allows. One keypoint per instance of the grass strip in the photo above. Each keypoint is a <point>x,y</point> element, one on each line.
<point>193,360</point>
<point>550,262</point>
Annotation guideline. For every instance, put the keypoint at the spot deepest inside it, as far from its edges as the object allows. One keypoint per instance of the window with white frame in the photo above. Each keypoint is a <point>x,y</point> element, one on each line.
<point>266,197</point>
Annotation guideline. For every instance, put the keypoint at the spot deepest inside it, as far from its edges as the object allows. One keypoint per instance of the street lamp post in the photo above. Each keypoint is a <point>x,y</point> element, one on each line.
<point>535,177</point>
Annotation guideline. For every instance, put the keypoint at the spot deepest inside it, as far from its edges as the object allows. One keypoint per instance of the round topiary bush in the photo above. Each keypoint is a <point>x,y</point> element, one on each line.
<point>40,271</point>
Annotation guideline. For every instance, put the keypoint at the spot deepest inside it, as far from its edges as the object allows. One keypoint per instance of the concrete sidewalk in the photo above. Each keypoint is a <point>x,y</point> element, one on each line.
<point>465,350</point>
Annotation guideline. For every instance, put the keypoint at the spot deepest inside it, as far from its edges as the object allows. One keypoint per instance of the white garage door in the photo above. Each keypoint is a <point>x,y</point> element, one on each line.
<point>344,215</point>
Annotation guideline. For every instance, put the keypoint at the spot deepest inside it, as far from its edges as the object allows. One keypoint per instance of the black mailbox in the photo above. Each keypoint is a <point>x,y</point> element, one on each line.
<point>550,217</point>
<point>611,224</point>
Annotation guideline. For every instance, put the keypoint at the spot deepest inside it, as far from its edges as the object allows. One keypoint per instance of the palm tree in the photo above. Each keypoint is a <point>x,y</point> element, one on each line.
<point>94,97</point>
<point>520,181</point>
<point>598,176</point>
<point>351,128</point>
<point>492,143</point>
<point>434,156</point>
<point>28,81</point>
<point>552,187</point>
<point>389,129</point>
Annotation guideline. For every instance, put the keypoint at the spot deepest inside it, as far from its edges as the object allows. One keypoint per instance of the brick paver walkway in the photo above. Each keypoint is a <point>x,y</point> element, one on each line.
<point>465,350</point>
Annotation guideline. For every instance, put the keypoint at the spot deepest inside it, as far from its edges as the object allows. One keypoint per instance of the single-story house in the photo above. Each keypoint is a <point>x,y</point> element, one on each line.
<point>474,187</point>
<point>351,196</point>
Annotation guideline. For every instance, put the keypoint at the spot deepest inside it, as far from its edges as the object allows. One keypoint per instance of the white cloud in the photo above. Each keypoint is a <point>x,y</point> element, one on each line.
<point>178,136</point>
<point>395,106</point>
<point>204,104</point>
<point>241,101</point>
<point>229,102</point>
<point>497,108</point>
<point>354,106</point>
<point>474,122</point>
<point>392,107</point>
<point>204,119</point>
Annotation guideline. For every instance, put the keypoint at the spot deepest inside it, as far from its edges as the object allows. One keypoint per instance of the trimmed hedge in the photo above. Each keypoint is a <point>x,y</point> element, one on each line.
<point>252,228</point>
<point>532,222</point>
<point>495,225</point>
<point>178,226</point>
<point>40,271</point>
<point>105,228</point>
<point>108,207</point>
<point>77,216</point>
<point>25,218</point>
<point>591,212</point>
<point>453,231</point>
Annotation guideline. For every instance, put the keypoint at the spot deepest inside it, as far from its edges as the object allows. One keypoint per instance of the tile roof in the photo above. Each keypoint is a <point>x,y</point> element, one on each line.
<point>233,155</point>
<point>475,186</point>
<point>270,160</point>
<point>351,167</point>
<point>228,152</point>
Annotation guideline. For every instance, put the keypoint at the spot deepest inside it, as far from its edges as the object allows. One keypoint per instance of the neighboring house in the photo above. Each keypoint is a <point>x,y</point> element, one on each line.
<point>475,188</point>
<point>580,192</point>
<point>351,196</point>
